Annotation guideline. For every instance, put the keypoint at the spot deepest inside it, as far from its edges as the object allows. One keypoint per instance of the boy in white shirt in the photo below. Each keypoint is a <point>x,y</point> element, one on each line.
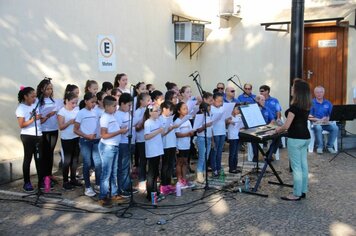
<point>123,116</point>
<point>108,150</point>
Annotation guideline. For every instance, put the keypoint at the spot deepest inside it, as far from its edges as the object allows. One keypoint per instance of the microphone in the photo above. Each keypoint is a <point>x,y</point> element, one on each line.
<point>193,74</point>
<point>229,79</point>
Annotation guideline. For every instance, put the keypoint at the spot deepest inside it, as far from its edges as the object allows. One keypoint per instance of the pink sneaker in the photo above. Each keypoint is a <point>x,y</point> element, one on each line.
<point>47,184</point>
<point>172,189</point>
<point>164,189</point>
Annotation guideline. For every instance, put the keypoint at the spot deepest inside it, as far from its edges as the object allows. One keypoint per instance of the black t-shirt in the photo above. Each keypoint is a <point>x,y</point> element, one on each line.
<point>299,127</point>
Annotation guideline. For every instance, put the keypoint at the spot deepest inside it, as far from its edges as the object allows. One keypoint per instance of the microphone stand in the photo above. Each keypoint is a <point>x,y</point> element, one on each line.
<point>38,157</point>
<point>132,202</point>
<point>205,109</point>
<point>243,91</point>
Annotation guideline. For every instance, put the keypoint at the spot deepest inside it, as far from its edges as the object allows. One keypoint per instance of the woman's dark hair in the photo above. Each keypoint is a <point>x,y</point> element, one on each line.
<point>117,79</point>
<point>176,112</point>
<point>170,85</point>
<point>207,95</point>
<point>106,86</point>
<point>100,95</point>
<point>168,105</point>
<point>69,96</point>
<point>70,88</point>
<point>169,95</point>
<point>140,97</point>
<point>88,84</point>
<point>155,94</point>
<point>88,96</point>
<point>125,98</point>
<point>135,93</point>
<point>23,92</point>
<point>114,91</point>
<point>41,87</point>
<point>182,90</point>
<point>148,87</point>
<point>204,107</point>
<point>301,95</point>
<point>215,95</point>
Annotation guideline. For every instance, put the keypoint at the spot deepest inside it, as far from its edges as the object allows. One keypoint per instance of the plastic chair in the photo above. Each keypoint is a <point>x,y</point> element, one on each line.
<point>312,137</point>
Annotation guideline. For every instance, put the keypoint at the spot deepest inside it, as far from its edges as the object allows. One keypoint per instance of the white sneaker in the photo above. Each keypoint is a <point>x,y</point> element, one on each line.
<point>89,192</point>
<point>142,186</point>
<point>97,188</point>
<point>319,151</point>
<point>331,150</point>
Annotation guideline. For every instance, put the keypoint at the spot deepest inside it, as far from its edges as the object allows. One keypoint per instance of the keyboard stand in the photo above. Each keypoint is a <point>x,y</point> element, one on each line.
<point>273,147</point>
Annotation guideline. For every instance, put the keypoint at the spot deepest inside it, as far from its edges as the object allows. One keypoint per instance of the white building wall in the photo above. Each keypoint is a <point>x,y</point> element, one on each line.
<point>59,39</point>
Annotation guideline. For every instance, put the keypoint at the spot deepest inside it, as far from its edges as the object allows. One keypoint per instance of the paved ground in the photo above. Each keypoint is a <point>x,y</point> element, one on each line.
<point>330,208</point>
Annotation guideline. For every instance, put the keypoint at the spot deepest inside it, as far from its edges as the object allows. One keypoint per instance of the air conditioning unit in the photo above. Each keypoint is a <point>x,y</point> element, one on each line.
<point>232,7</point>
<point>188,32</point>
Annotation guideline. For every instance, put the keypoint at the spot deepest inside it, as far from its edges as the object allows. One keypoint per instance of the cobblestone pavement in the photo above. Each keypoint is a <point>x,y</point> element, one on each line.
<point>329,209</point>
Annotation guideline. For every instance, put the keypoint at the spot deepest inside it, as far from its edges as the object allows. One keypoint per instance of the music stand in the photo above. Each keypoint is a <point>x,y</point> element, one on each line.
<point>343,113</point>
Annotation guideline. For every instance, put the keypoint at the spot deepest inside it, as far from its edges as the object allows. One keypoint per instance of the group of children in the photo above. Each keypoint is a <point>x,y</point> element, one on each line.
<point>110,126</point>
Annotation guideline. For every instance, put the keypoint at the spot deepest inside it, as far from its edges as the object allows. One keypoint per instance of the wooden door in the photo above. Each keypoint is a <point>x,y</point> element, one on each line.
<point>325,60</point>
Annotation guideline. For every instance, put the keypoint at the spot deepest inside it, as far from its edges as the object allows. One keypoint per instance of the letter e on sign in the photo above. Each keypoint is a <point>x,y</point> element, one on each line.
<point>106,47</point>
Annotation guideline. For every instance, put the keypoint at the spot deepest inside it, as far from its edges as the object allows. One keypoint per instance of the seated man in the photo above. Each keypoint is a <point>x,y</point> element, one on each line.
<point>229,96</point>
<point>269,119</point>
<point>319,115</point>
<point>266,112</point>
<point>247,96</point>
<point>271,103</point>
<point>220,87</point>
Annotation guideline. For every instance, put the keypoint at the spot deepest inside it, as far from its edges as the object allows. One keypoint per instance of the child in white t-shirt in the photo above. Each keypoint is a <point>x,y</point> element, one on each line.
<point>183,134</point>
<point>234,125</point>
<point>69,140</point>
<point>143,100</point>
<point>169,147</point>
<point>204,150</point>
<point>123,116</point>
<point>48,110</point>
<point>108,149</point>
<point>219,130</point>
<point>31,134</point>
<point>154,148</point>
<point>86,126</point>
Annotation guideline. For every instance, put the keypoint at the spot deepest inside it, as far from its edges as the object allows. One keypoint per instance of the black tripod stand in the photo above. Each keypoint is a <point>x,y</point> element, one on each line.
<point>205,112</point>
<point>343,113</point>
<point>38,156</point>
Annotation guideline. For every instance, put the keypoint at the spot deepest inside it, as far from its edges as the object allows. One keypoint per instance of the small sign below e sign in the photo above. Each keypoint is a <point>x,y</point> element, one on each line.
<point>332,43</point>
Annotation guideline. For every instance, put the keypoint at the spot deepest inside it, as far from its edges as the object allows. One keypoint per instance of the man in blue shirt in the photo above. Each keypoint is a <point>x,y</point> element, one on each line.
<point>271,103</point>
<point>229,95</point>
<point>319,115</point>
<point>247,96</point>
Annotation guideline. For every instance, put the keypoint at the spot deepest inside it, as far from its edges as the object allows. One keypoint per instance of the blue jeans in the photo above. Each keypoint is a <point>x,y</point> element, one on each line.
<point>333,132</point>
<point>216,152</point>
<point>124,162</point>
<point>109,156</point>
<point>298,153</point>
<point>233,151</point>
<point>88,149</point>
<point>201,151</point>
